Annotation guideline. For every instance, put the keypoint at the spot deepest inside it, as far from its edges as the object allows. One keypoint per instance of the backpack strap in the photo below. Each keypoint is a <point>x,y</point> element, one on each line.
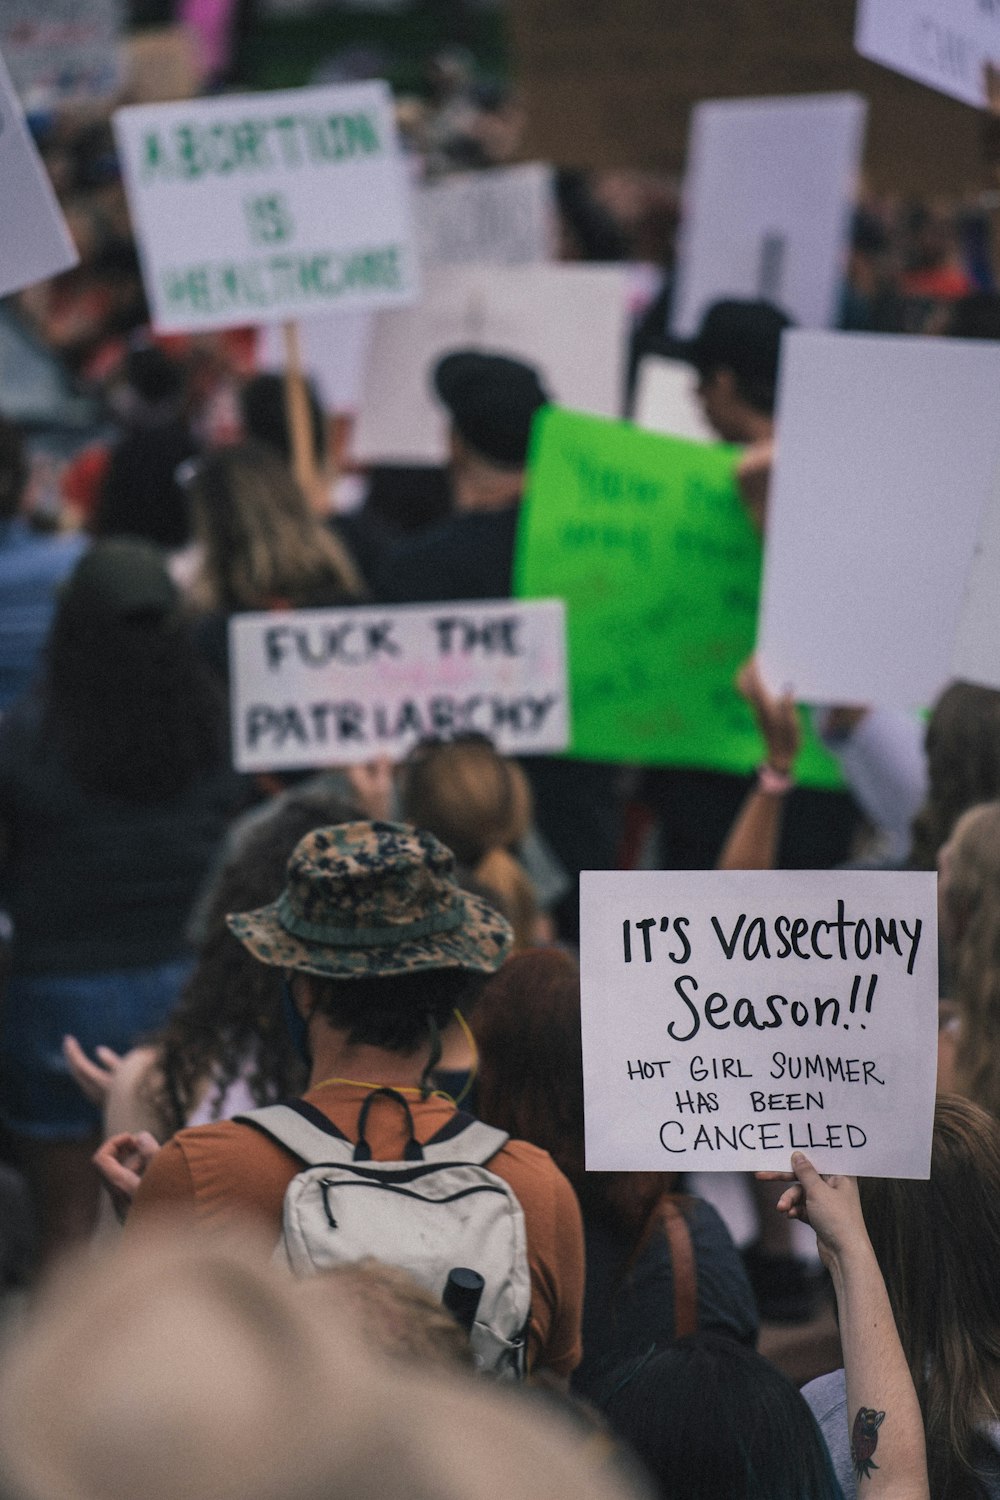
<point>298,1128</point>
<point>667,1217</point>
<point>464,1138</point>
<point>309,1135</point>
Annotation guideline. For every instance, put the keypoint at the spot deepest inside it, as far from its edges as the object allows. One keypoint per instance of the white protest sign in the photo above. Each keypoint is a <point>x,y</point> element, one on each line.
<point>263,207</point>
<point>36,242</point>
<point>665,400</point>
<point>327,687</point>
<point>334,353</point>
<point>887,450</point>
<point>943,43</point>
<point>504,216</point>
<point>976,656</point>
<point>62,51</point>
<point>730,1018</point>
<point>570,322</point>
<point>767,205</point>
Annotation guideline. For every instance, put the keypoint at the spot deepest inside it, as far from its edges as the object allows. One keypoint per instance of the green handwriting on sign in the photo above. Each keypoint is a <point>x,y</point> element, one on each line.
<point>190,151</point>
<point>647,541</point>
<point>246,287</point>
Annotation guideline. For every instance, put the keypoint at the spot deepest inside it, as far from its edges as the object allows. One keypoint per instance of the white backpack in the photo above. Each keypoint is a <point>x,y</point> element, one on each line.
<point>438,1210</point>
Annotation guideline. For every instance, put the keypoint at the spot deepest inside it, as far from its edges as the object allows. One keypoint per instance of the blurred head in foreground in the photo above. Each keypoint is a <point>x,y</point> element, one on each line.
<point>210,1375</point>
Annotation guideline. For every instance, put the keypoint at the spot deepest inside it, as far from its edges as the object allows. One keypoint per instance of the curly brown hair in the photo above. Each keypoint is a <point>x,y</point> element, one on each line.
<point>229,1015</point>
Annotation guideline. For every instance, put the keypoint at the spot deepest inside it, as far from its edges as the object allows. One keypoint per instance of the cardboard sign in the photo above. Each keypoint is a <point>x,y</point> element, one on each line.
<point>730,1018</point>
<point>649,544</point>
<point>887,452</point>
<point>36,241</point>
<point>62,51</point>
<point>323,687</point>
<point>570,322</point>
<point>612,83</point>
<point>665,400</point>
<point>767,205</point>
<point>504,216</point>
<point>265,207</point>
<point>943,43</point>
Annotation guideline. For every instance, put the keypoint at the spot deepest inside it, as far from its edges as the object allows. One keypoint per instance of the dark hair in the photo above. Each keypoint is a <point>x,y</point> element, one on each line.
<point>395,1011</point>
<point>712,1418</point>
<point>963,763</point>
<point>938,1243</point>
<point>140,495</point>
<point>130,704</point>
<point>13,469</point>
<point>262,407</point>
<point>229,1014</point>
<point>530,1080</point>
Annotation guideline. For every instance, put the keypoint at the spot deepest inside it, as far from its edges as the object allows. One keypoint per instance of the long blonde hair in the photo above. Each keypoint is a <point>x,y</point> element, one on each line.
<point>263,545</point>
<point>478,803</point>
<point>972,903</point>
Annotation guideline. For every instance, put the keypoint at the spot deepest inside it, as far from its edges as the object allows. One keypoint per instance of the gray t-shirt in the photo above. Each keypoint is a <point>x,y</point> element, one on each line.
<point>827,1397</point>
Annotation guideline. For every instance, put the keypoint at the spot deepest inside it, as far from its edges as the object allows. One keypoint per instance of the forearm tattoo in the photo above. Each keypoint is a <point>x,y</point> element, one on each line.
<point>864,1440</point>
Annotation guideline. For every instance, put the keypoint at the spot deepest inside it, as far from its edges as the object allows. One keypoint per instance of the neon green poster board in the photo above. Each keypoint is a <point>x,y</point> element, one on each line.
<point>646,539</point>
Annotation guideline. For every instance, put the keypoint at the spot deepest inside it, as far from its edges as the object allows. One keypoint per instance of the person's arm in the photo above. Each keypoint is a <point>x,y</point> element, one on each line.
<point>885,1427</point>
<point>752,842</point>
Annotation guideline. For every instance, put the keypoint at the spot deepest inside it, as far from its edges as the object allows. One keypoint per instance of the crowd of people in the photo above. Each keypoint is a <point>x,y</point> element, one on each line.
<point>338,1011</point>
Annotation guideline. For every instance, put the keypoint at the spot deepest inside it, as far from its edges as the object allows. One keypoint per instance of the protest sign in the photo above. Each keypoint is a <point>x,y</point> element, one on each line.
<point>730,1018</point>
<point>334,351</point>
<point>767,199</point>
<point>943,43</point>
<point>324,687</point>
<point>887,451</point>
<point>976,657</point>
<point>36,242</point>
<point>647,541</point>
<point>570,322</point>
<point>268,207</point>
<point>612,83</point>
<point>62,52</point>
<point>665,400</point>
<point>504,216</point>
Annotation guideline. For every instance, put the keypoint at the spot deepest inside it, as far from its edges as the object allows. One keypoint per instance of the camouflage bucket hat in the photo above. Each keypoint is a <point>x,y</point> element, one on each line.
<point>373,898</point>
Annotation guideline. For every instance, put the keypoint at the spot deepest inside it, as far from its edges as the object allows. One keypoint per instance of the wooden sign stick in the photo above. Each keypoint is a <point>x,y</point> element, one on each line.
<point>298,417</point>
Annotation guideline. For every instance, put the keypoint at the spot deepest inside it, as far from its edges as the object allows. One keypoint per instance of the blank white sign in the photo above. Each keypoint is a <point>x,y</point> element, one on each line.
<point>767,204</point>
<point>887,451</point>
<point>570,322</point>
<point>35,242</point>
<point>665,400</point>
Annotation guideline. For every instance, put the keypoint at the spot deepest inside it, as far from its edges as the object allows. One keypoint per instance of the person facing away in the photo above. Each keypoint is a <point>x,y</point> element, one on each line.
<point>380,948</point>
<point>736,353</point>
<point>491,402</point>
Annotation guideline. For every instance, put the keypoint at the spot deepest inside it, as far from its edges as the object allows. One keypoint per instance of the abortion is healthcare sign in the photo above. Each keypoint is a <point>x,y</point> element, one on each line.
<point>733,1017</point>
<point>264,207</point>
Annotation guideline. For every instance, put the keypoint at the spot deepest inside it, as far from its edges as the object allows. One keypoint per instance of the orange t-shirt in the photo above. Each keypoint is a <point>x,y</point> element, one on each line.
<point>218,1175</point>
